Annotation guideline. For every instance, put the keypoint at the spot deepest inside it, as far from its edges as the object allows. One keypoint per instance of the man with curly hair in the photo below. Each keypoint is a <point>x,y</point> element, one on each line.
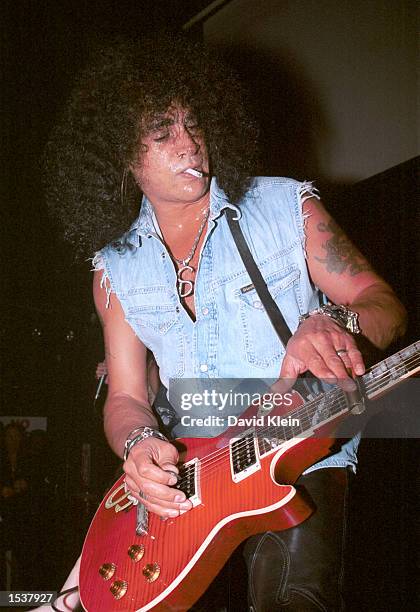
<point>164,123</point>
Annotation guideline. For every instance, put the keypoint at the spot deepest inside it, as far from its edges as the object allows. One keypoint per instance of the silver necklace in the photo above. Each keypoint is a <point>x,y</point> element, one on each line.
<point>186,287</point>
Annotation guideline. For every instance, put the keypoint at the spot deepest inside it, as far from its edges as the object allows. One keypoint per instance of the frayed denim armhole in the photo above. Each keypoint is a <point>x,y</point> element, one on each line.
<point>306,190</point>
<point>347,456</point>
<point>98,264</point>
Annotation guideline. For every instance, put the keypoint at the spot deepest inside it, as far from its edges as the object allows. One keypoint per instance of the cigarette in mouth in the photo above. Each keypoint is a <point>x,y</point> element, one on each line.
<point>196,173</point>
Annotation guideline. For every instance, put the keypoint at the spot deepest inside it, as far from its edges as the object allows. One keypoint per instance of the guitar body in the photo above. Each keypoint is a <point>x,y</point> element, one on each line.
<point>203,538</point>
<point>234,483</point>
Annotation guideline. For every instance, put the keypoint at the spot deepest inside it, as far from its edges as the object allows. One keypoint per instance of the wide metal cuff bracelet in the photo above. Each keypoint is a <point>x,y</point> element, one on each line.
<point>343,316</point>
<point>138,435</point>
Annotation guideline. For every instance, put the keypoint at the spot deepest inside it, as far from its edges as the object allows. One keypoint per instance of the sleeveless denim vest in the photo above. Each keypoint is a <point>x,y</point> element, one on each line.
<point>232,336</point>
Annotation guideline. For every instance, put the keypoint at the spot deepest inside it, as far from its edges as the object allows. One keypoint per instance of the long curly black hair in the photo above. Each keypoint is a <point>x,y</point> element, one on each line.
<point>98,134</point>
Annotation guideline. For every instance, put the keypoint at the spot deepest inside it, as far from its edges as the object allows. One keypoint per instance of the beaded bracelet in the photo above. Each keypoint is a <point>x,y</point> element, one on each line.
<point>138,435</point>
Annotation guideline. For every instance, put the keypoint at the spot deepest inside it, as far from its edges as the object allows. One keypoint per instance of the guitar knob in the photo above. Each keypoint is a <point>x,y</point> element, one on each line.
<point>119,588</point>
<point>151,572</point>
<point>136,552</point>
<point>107,570</point>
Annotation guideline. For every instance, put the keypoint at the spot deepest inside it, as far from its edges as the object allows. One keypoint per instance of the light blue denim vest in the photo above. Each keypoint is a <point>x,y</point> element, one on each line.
<point>232,336</point>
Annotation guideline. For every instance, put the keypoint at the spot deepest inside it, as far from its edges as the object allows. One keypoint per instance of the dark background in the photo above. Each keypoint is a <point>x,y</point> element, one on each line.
<point>50,336</point>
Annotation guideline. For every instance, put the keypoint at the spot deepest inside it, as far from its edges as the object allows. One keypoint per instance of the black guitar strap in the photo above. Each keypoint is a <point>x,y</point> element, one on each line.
<point>271,308</point>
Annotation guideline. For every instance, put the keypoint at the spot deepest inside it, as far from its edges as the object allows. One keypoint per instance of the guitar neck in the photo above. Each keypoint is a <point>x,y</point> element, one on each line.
<point>388,373</point>
<point>319,414</point>
<point>327,406</point>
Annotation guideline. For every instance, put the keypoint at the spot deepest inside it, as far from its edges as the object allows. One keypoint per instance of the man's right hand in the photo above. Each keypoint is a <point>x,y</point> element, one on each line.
<point>151,461</point>
<point>148,470</point>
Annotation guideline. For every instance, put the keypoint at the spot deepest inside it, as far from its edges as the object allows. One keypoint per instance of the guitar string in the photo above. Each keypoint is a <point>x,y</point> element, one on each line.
<point>388,363</point>
<point>374,383</point>
<point>412,360</point>
<point>215,456</point>
<point>241,449</point>
<point>341,404</point>
<point>341,398</point>
<point>242,445</point>
<point>383,380</point>
<point>295,413</point>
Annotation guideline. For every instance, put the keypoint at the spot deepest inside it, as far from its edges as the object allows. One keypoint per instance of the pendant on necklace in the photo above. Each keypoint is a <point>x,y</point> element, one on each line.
<point>185,287</point>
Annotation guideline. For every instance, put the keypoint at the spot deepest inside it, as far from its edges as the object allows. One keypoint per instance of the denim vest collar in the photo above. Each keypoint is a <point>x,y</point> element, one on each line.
<point>146,224</point>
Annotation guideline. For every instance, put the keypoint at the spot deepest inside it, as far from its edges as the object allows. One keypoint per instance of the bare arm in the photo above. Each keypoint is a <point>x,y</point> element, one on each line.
<point>127,405</point>
<point>343,273</point>
<point>151,461</point>
<point>345,276</point>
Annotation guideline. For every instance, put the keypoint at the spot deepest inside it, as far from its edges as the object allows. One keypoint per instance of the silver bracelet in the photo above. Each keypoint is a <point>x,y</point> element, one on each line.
<point>343,316</point>
<point>138,435</point>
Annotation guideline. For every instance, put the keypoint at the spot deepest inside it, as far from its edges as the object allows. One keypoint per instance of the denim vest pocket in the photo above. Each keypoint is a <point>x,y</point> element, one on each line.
<point>261,343</point>
<point>158,318</point>
<point>157,323</point>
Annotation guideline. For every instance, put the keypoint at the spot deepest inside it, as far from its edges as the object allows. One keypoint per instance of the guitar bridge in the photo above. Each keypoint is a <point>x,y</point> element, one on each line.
<point>189,481</point>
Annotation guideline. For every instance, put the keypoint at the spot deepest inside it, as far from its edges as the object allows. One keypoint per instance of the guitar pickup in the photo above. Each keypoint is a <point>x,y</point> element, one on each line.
<point>244,459</point>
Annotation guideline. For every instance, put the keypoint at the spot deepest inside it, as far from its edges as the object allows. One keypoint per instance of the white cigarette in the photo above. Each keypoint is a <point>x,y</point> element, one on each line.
<point>196,173</point>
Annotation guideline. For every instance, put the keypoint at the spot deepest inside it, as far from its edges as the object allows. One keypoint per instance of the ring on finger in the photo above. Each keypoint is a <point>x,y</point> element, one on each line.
<point>341,351</point>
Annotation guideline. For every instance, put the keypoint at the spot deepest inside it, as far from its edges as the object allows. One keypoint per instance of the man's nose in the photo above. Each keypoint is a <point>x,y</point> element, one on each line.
<point>187,143</point>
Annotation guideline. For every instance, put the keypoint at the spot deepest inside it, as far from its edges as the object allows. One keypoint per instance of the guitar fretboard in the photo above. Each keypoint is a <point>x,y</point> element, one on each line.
<point>325,407</point>
<point>389,372</point>
<point>301,421</point>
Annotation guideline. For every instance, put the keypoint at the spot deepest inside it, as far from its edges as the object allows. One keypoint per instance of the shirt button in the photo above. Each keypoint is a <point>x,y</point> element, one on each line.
<point>205,311</point>
<point>257,304</point>
<point>204,367</point>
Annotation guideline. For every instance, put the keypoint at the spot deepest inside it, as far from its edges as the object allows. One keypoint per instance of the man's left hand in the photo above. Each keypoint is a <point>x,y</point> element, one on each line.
<point>326,350</point>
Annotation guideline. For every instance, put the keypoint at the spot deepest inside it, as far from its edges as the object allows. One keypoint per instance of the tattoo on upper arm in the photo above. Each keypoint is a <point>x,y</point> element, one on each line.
<point>341,255</point>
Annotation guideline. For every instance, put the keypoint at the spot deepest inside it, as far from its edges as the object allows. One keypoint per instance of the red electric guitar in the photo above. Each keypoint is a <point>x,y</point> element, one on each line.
<point>233,482</point>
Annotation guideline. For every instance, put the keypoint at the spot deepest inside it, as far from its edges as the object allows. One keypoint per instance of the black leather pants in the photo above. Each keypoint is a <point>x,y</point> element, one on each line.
<point>297,570</point>
<point>301,569</point>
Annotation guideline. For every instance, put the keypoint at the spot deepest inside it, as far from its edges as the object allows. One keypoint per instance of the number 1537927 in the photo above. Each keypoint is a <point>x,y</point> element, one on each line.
<point>26,598</point>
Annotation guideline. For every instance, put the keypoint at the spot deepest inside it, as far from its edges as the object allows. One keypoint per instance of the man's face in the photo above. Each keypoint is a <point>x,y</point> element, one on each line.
<point>173,142</point>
